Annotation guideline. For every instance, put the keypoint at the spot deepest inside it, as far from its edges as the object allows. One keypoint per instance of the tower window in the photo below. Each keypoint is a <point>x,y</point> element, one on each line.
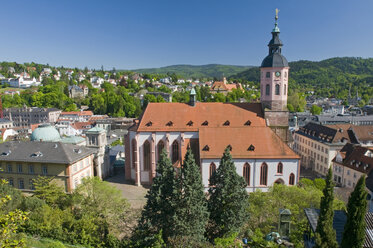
<point>267,89</point>
<point>284,89</point>
<point>277,89</point>
<point>268,74</point>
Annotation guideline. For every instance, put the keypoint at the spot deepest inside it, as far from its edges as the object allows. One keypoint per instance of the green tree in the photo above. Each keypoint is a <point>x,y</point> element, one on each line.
<point>354,230</point>
<point>99,199</point>
<point>228,199</point>
<point>49,191</point>
<point>325,234</point>
<point>316,110</point>
<point>10,222</point>
<point>158,215</point>
<point>191,214</point>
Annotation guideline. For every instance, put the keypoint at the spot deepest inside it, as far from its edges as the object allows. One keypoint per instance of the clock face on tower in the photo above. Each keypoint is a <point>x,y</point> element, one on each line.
<point>278,73</point>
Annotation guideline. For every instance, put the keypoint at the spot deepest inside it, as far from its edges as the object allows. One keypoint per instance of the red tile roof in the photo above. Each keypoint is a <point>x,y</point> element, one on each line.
<point>82,125</point>
<point>80,113</point>
<point>246,142</point>
<point>183,117</point>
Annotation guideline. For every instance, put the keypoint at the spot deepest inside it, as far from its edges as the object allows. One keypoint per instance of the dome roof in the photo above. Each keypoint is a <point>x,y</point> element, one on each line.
<point>275,60</point>
<point>45,132</point>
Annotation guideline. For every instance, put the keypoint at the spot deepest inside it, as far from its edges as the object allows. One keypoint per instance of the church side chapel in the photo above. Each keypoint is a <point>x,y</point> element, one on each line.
<point>256,133</point>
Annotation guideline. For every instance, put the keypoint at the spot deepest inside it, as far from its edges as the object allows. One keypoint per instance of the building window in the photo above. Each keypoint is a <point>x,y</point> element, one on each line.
<point>160,148</point>
<point>263,174</point>
<point>246,173</point>
<point>44,170</point>
<point>212,170</point>
<point>267,89</point>
<point>31,184</point>
<point>268,74</point>
<point>147,158</point>
<point>285,88</point>
<point>279,168</point>
<point>31,169</point>
<point>21,183</point>
<point>10,168</point>
<point>277,89</point>
<point>175,151</point>
<point>10,181</point>
<point>76,182</point>
<point>291,179</point>
<point>134,148</point>
<point>19,168</point>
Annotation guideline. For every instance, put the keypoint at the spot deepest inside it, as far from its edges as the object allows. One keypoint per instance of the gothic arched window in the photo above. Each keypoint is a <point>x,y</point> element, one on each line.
<point>147,155</point>
<point>134,149</point>
<point>246,173</point>
<point>263,174</point>
<point>160,148</point>
<point>175,151</point>
<point>212,170</point>
<point>277,89</point>
<point>279,168</point>
<point>284,89</point>
<point>291,179</point>
<point>267,89</point>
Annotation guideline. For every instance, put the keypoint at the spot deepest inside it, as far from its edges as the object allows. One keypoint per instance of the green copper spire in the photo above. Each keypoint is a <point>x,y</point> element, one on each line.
<point>276,29</point>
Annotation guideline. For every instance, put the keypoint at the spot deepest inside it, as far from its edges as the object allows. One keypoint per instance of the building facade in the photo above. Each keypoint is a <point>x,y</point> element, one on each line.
<point>26,116</point>
<point>318,145</point>
<point>22,162</point>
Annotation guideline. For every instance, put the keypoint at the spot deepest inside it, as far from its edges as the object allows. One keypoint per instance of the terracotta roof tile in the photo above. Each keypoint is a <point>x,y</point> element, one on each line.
<point>246,142</point>
<point>216,114</point>
<point>80,113</point>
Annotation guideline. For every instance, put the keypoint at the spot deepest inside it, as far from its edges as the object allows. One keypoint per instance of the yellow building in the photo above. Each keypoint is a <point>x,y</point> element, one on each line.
<point>68,164</point>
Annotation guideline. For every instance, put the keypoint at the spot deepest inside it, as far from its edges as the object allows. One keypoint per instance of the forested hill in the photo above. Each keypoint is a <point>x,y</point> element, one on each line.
<point>330,77</point>
<point>197,71</point>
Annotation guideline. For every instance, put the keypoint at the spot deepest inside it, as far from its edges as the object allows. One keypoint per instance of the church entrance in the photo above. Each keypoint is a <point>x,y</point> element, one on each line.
<point>279,181</point>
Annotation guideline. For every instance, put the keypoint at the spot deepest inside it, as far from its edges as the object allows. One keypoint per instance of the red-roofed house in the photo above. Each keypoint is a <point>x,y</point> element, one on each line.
<point>79,116</point>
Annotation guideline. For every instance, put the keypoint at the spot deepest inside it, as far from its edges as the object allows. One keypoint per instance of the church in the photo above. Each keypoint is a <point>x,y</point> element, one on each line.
<point>256,133</point>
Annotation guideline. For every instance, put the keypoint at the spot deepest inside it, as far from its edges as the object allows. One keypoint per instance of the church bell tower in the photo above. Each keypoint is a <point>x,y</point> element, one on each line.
<point>274,74</point>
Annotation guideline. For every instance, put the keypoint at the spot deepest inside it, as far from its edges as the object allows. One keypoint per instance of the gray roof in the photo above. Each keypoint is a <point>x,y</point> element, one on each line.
<point>43,152</point>
<point>339,221</point>
<point>275,60</point>
<point>75,87</point>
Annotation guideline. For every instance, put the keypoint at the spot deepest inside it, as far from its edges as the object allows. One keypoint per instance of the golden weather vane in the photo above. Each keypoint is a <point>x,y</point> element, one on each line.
<point>276,17</point>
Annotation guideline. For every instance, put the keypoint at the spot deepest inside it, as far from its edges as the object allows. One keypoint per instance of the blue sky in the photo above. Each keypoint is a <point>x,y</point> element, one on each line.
<point>152,33</point>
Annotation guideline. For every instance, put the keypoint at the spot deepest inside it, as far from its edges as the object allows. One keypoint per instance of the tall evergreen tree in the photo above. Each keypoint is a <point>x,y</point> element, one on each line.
<point>354,230</point>
<point>158,215</point>
<point>228,199</point>
<point>325,234</point>
<point>192,214</point>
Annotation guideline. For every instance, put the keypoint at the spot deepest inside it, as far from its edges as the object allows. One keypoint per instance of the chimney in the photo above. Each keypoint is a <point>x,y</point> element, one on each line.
<point>192,98</point>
